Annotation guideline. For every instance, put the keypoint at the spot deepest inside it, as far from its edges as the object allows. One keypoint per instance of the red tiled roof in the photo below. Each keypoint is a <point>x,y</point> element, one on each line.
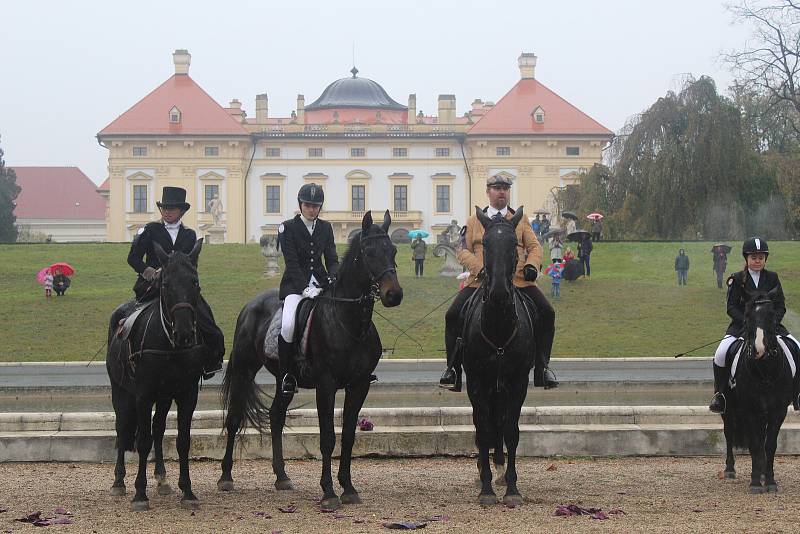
<point>512,114</point>
<point>200,114</point>
<point>57,193</point>
<point>105,186</point>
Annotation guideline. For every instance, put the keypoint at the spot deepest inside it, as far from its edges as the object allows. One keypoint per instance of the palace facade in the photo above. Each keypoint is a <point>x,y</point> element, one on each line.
<point>366,150</point>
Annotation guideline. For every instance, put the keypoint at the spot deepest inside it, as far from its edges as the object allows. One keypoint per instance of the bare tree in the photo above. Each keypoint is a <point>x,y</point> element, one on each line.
<point>769,63</point>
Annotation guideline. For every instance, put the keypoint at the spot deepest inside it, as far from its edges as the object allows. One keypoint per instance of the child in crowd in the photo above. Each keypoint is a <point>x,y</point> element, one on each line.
<point>48,284</point>
<point>555,271</point>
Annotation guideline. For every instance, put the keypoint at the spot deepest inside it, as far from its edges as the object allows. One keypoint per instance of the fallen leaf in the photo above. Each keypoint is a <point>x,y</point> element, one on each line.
<point>697,510</point>
<point>405,525</point>
<point>599,515</point>
<point>366,425</point>
<point>265,515</point>
<point>61,521</point>
<point>551,467</point>
<point>721,474</point>
<point>616,511</point>
<point>62,511</point>
<point>437,518</point>
<point>288,509</point>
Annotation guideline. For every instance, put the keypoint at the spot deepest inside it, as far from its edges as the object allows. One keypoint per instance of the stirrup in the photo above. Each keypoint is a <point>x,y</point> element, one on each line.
<point>718,403</point>
<point>289,384</point>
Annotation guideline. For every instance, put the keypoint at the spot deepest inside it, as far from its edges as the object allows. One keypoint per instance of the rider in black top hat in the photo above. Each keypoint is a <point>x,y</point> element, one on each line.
<point>172,235</point>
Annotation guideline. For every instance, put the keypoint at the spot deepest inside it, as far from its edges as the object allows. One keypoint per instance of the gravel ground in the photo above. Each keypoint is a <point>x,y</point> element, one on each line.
<point>655,494</point>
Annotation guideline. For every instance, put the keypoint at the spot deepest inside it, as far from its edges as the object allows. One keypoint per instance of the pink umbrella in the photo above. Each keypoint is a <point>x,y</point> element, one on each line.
<point>554,267</point>
<point>41,274</point>
<point>595,216</point>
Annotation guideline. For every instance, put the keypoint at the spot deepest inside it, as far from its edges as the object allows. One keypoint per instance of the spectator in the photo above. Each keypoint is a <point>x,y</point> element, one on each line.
<point>556,271</point>
<point>544,227</point>
<point>537,226</point>
<point>585,248</point>
<point>720,264</point>
<point>682,267</point>
<point>418,250</point>
<point>568,255</point>
<point>555,248</point>
<point>571,226</point>
<point>48,284</point>
<point>597,229</point>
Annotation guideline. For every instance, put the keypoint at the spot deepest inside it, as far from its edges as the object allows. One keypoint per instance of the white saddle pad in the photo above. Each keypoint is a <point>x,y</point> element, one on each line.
<point>786,353</point>
<point>274,329</point>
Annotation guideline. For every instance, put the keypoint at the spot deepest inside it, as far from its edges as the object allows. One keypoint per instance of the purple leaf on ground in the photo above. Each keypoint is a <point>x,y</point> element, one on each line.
<point>599,515</point>
<point>617,511</point>
<point>405,525</point>
<point>61,521</point>
<point>30,518</point>
<point>573,509</point>
<point>358,521</point>
<point>366,425</point>
<point>438,518</point>
<point>288,509</point>
<point>62,511</point>
<point>265,515</point>
<point>339,516</point>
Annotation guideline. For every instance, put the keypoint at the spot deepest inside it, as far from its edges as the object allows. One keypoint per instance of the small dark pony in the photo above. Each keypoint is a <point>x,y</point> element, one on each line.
<point>160,360</point>
<point>498,356</point>
<point>343,348</point>
<point>756,406</point>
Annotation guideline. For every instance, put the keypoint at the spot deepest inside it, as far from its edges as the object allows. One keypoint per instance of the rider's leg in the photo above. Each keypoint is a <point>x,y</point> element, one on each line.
<point>796,380</point>
<point>286,350</point>
<point>451,378</point>
<point>721,375</point>
<point>212,337</point>
<point>545,329</point>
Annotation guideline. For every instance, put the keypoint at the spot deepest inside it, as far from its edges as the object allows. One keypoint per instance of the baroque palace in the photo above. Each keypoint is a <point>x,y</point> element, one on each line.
<point>366,150</point>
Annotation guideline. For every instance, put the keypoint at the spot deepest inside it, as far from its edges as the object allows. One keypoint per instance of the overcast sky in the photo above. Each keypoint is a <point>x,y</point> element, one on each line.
<point>69,68</point>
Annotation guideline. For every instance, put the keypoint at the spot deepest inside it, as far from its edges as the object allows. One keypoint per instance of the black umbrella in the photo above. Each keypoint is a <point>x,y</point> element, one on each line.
<point>722,246</point>
<point>578,235</point>
<point>554,232</point>
<point>569,215</point>
<point>542,212</point>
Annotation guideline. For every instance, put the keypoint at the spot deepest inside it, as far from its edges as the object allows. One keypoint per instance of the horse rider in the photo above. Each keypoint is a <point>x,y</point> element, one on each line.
<point>304,240</point>
<point>470,255</point>
<point>172,235</point>
<point>754,277</point>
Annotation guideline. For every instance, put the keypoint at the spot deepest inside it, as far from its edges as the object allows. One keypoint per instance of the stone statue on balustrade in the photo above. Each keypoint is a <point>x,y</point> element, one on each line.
<point>447,243</point>
<point>269,249</point>
<point>215,209</point>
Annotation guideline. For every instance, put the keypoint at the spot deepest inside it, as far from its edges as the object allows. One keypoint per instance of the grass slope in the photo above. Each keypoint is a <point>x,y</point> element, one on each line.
<point>631,306</point>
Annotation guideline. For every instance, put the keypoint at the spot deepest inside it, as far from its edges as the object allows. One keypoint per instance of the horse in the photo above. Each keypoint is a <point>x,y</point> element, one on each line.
<point>159,360</point>
<point>756,406</point>
<point>499,348</point>
<point>343,347</point>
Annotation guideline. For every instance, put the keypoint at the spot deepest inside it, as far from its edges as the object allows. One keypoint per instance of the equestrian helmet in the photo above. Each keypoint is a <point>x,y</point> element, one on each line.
<point>753,245</point>
<point>311,194</point>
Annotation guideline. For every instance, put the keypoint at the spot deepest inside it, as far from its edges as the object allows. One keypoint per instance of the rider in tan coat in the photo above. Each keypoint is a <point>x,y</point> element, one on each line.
<point>529,261</point>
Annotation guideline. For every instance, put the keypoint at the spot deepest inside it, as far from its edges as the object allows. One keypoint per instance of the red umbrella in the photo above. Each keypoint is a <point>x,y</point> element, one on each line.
<point>65,268</point>
<point>595,216</point>
<point>41,274</point>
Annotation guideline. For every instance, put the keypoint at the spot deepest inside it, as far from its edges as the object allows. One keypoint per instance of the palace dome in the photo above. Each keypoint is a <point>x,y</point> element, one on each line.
<point>355,92</point>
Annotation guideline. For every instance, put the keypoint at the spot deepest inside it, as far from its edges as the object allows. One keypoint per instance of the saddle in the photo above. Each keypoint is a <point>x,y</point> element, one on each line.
<point>304,316</point>
<point>126,323</point>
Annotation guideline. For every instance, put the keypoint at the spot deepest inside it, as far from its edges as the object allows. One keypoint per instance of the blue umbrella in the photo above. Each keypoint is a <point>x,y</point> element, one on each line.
<point>418,233</point>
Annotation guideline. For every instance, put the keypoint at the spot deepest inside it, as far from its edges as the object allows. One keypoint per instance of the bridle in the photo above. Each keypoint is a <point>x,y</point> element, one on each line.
<point>168,319</point>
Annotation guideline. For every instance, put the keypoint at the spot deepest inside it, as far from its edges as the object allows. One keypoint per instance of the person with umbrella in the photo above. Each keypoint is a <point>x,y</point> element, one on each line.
<point>470,255</point>
<point>597,225</point>
<point>720,258</point>
<point>418,250</point>
<point>171,234</point>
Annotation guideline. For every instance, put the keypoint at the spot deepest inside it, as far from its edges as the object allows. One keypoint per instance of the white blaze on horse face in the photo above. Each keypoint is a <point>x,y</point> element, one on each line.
<point>759,342</point>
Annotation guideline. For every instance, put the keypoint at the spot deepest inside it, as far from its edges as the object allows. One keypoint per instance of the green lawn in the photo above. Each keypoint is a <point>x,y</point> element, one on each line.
<point>631,306</point>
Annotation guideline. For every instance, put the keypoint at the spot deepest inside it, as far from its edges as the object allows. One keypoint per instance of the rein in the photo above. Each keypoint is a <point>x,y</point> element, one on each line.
<point>169,319</point>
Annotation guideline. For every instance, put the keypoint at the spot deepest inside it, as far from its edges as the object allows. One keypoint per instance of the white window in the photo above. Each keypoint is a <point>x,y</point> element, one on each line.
<point>539,117</point>
<point>504,151</point>
<point>400,198</point>
<point>358,152</point>
<point>273,152</point>
<point>442,199</point>
<point>140,199</point>
<point>315,152</point>
<point>573,151</point>
<point>399,152</point>
<point>273,199</point>
<point>358,197</point>
<point>174,115</point>
<point>140,151</point>
<point>442,152</point>
<point>212,151</point>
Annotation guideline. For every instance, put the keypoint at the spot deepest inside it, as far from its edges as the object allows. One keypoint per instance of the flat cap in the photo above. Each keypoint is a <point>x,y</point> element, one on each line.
<point>498,179</point>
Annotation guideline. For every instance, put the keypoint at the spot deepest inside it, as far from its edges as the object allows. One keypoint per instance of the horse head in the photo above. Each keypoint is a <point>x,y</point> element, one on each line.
<point>499,254</point>
<point>760,321</point>
<point>378,254</point>
<point>179,294</point>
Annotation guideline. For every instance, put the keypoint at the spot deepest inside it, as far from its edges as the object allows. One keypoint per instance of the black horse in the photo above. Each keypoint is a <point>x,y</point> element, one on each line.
<point>159,360</point>
<point>498,355</point>
<point>343,348</point>
<point>756,406</point>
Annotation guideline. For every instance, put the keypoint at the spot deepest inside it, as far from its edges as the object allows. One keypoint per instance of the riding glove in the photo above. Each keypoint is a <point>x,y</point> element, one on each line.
<point>331,279</point>
<point>149,274</point>
<point>530,273</point>
<point>311,292</point>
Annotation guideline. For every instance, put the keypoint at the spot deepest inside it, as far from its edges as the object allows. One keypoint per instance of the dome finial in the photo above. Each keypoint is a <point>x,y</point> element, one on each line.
<point>354,71</point>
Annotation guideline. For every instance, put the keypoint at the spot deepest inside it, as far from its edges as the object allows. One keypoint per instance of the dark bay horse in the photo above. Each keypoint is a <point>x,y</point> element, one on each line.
<point>498,355</point>
<point>756,406</point>
<point>160,361</point>
<point>343,348</point>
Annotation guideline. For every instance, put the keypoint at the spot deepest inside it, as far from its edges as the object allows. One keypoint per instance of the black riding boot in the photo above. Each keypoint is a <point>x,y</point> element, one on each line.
<point>796,381</point>
<point>543,376</point>
<point>285,358</point>
<point>720,384</point>
<point>213,339</point>
<point>451,378</point>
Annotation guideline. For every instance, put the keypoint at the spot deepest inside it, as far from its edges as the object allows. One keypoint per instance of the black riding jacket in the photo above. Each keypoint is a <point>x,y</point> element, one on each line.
<point>303,254</point>
<point>737,298</point>
<point>142,254</point>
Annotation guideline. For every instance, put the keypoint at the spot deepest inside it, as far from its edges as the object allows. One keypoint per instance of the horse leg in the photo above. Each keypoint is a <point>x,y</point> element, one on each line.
<point>484,438</point>
<point>277,420</point>
<point>499,459</point>
<point>118,488</point>
<point>125,425</point>
<point>186,402</point>
<point>159,427</point>
<point>771,445</point>
<point>756,437</point>
<point>144,442</point>
<point>353,401</point>
<point>516,396</point>
<point>326,395</point>
<point>730,458</point>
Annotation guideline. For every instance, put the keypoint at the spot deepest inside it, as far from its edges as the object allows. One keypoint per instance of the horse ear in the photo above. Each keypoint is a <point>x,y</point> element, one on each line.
<point>163,257</point>
<point>517,217</point>
<point>366,222</point>
<point>772,294</point>
<point>198,246</point>
<point>482,217</point>
<point>387,220</point>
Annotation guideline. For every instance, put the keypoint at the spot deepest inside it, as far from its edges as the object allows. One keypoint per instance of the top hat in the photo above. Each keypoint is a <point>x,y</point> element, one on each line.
<point>498,179</point>
<point>173,197</point>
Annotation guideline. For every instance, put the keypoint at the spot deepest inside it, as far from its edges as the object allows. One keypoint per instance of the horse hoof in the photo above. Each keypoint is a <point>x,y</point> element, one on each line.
<point>164,489</point>
<point>117,491</point>
<point>225,485</point>
<point>284,485</point>
<point>756,490</point>
<point>487,500</point>
<point>331,504</point>
<point>512,501</point>
<point>351,498</point>
<point>730,475</point>
<point>140,506</point>
<point>190,504</point>
<point>772,488</point>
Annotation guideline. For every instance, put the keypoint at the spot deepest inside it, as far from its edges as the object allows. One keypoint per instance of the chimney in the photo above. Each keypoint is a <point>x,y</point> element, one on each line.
<point>412,109</point>
<point>301,109</point>
<point>477,104</point>
<point>235,104</point>
<point>527,65</point>
<point>262,108</point>
<point>182,58</point>
<point>447,109</point>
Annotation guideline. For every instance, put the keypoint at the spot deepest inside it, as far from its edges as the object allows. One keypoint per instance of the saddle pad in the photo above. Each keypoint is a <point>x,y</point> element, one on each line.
<point>786,352</point>
<point>274,329</point>
<point>126,325</point>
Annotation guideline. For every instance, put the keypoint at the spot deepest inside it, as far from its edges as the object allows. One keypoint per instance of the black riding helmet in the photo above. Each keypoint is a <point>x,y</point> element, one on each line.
<point>753,245</point>
<point>311,194</point>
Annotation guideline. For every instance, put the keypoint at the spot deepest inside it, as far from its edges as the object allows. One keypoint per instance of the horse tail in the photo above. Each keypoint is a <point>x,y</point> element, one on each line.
<point>241,396</point>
